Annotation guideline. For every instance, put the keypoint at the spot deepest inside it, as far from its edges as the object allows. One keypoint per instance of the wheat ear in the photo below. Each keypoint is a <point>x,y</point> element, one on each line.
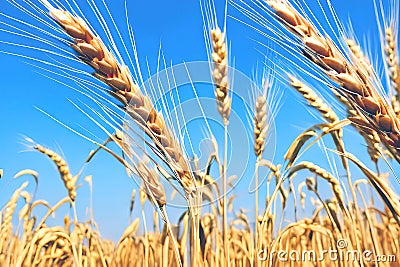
<point>63,169</point>
<point>360,92</point>
<point>220,73</point>
<point>357,56</point>
<point>373,141</point>
<point>260,125</point>
<point>6,224</point>
<point>392,59</point>
<point>93,52</point>
<point>314,100</point>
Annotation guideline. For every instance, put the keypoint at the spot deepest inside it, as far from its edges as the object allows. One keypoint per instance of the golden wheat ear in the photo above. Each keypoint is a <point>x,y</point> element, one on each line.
<point>314,100</point>
<point>68,179</point>
<point>392,59</point>
<point>264,113</point>
<point>217,50</point>
<point>373,110</point>
<point>358,56</point>
<point>393,67</point>
<point>260,125</point>
<point>139,107</point>
<point>6,223</point>
<point>220,73</point>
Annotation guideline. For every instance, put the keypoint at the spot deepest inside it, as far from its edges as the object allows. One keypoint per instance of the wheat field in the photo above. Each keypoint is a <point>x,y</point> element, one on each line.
<point>285,154</point>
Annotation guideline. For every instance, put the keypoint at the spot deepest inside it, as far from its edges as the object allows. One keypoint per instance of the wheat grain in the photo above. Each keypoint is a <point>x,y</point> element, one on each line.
<point>373,144</point>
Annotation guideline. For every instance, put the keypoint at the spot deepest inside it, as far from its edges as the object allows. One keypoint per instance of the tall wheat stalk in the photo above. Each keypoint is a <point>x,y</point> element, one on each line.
<point>221,80</point>
<point>260,130</point>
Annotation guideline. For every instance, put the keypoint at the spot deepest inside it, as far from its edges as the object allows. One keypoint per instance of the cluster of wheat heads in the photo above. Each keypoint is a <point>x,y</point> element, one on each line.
<point>349,220</point>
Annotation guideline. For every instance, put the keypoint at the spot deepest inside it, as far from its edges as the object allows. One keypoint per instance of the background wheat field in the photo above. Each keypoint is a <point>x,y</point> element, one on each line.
<point>199,133</point>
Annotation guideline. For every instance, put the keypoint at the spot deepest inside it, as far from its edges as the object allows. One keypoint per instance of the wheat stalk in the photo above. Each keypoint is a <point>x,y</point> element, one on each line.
<point>385,191</point>
<point>260,134</point>
<point>220,75</point>
<point>93,52</point>
<point>260,130</point>
<point>329,115</point>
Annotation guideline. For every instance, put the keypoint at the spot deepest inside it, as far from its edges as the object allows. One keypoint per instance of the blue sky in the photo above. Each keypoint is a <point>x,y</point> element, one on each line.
<point>178,27</point>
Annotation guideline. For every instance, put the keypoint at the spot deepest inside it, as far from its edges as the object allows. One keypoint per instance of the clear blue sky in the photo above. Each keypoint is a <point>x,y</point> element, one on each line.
<point>178,26</point>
